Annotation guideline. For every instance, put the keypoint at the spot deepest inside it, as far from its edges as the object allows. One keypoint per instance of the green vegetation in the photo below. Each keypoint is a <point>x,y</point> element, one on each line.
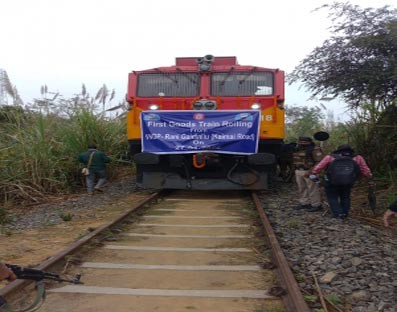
<point>310,298</point>
<point>66,216</point>
<point>39,146</point>
<point>356,65</point>
<point>358,61</point>
<point>334,299</point>
<point>3,216</point>
<point>293,223</point>
<point>300,278</point>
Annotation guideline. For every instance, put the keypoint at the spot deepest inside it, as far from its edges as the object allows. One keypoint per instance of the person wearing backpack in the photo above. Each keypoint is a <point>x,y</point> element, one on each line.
<point>305,156</point>
<point>95,162</point>
<point>342,168</point>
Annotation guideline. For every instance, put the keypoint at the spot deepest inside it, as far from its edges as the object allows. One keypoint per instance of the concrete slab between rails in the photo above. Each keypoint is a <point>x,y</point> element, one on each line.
<point>187,236</point>
<point>258,294</point>
<point>199,212</point>
<point>177,210</point>
<point>236,268</point>
<point>201,209</point>
<point>195,225</point>
<point>192,217</point>
<point>222,201</point>
<point>151,248</point>
<point>198,206</point>
<point>203,204</point>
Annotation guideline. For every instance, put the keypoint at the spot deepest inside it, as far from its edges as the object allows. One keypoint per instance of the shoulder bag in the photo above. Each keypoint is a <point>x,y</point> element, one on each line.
<point>86,171</point>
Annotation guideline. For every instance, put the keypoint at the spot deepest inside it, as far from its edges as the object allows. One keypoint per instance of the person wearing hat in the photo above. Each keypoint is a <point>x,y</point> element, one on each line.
<point>306,155</point>
<point>338,190</point>
<point>95,162</point>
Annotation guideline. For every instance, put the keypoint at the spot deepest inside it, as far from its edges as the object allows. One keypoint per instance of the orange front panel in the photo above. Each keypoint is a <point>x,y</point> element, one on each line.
<point>133,124</point>
<point>272,123</point>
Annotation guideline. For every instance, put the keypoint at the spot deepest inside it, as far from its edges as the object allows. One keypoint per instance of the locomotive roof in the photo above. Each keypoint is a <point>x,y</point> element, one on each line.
<point>218,64</point>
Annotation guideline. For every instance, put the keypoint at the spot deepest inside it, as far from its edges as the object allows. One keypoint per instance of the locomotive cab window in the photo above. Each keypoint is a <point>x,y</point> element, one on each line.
<point>242,83</point>
<point>168,84</point>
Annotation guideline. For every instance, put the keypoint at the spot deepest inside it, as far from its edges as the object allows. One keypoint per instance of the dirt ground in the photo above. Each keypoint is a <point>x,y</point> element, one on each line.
<point>38,232</point>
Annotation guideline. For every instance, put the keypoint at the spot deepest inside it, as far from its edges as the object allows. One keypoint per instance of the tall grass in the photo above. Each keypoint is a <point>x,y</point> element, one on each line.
<point>38,151</point>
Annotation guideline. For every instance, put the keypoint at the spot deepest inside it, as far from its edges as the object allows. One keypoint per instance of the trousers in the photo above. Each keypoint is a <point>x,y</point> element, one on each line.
<point>90,179</point>
<point>338,198</point>
<point>308,191</point>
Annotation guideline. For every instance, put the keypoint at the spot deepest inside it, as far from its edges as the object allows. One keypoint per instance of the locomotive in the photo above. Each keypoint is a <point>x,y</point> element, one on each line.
<point>180,117</point>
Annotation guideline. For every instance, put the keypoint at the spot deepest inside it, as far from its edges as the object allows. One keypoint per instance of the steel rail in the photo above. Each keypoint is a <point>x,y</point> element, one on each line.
<point>293,299</point>
<point>18,284</point>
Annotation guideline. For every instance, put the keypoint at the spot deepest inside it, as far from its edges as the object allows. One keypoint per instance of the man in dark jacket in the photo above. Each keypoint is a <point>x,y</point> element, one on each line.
<point>95,161</point>
<point>306,155</point>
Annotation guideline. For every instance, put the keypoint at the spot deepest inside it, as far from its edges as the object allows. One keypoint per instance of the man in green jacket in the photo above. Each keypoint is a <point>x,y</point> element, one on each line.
<point>95,161</point>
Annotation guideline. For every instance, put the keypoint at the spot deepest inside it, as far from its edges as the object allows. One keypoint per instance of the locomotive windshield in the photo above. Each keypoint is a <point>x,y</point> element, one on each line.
<point>168,84</point>
<point>242,83</point>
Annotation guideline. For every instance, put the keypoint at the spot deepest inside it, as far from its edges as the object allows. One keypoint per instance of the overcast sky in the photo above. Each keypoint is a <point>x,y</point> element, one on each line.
<point>64,43</point>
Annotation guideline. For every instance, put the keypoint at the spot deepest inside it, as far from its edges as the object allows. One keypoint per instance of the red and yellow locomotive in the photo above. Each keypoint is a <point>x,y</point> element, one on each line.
<point>207,84</point>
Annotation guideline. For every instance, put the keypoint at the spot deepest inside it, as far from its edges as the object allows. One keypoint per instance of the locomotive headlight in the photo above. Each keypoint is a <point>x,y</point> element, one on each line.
<point>204,105</point>
<point>198,105</point>
<point>153,107</point>
<point>255,106</point>
<point>210,105</point>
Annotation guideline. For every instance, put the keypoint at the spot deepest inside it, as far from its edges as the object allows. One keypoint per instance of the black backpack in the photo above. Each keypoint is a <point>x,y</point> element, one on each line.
<point>343,170</point>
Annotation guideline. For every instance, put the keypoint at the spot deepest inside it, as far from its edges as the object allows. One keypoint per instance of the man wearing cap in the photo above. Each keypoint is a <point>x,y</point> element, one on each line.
<point>338,196</point>
<point>95,161</point>
<point>306,155</point>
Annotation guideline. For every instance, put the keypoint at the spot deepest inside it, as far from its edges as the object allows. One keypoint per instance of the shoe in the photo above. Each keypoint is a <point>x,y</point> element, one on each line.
<point>98,189</point>
<point>315,208</point>
<point>90,193</point>
<point>342,216</point>
<point>299,207</point>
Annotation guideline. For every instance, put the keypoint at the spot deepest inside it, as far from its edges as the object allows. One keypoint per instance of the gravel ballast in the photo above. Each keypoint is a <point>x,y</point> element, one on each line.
<point>49,213</point>
<point>354,263</point>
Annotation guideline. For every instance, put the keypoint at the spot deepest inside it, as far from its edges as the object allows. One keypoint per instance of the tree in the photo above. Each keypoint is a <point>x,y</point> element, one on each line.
<point>302,121</point>
<point>359,62</point>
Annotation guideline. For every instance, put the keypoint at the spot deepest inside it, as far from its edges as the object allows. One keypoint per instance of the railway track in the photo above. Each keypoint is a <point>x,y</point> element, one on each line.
<point>189,251</point>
